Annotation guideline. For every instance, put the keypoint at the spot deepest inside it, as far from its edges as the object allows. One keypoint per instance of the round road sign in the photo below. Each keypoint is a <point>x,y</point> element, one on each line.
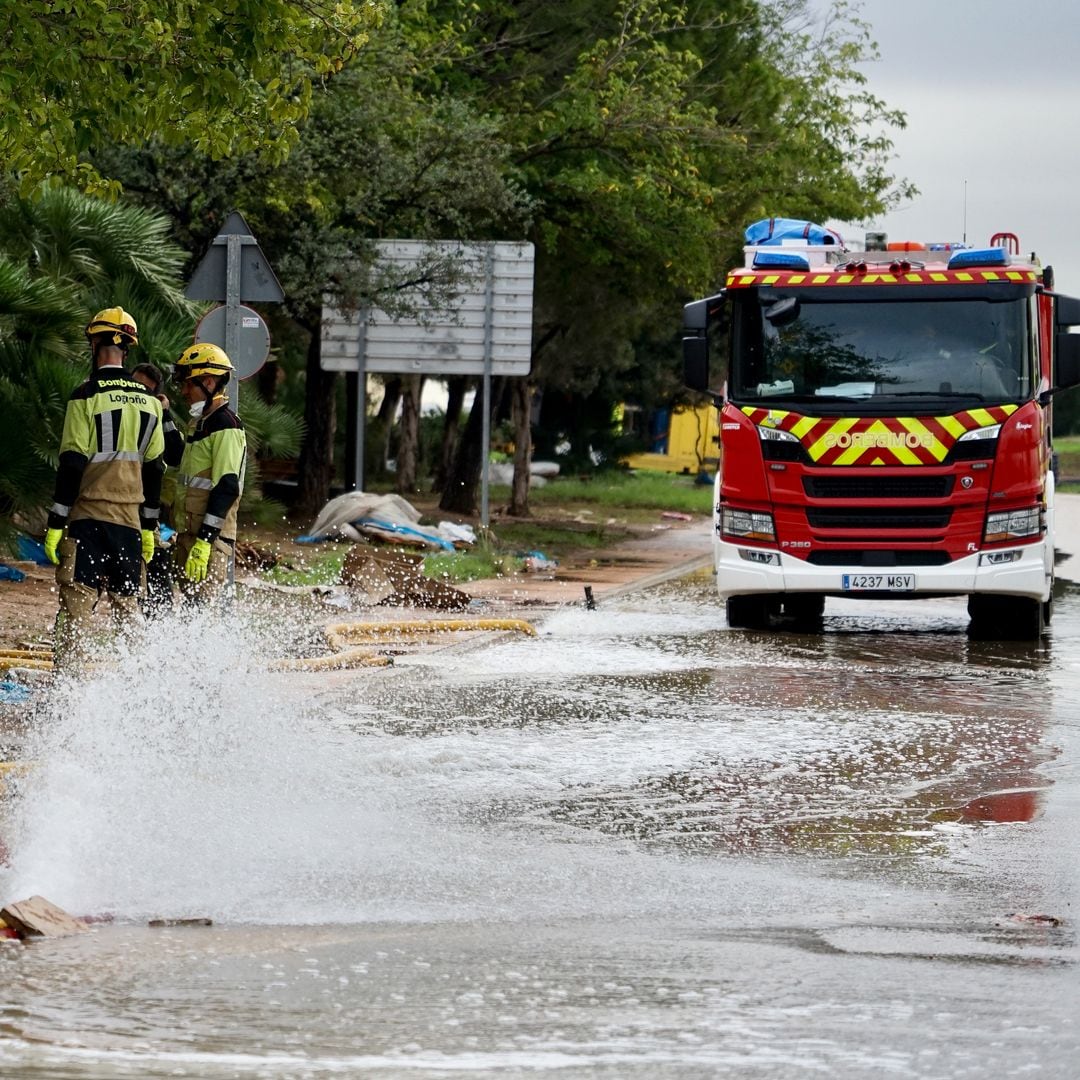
<point>252,338</point>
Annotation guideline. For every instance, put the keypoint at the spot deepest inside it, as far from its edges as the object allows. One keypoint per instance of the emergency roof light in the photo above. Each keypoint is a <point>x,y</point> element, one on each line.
<point>780,260</point>
<point>995,256</point>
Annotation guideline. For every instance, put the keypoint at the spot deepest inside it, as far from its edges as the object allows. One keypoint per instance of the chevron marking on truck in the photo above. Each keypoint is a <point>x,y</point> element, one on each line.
<point>893,440</point>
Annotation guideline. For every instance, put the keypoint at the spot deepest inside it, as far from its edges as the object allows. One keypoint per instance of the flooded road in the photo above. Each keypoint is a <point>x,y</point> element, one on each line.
<point>640,845</point>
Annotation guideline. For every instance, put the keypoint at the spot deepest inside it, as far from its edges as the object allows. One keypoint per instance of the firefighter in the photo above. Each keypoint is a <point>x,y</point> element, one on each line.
<point>211,473</point>
<point>105,508</point>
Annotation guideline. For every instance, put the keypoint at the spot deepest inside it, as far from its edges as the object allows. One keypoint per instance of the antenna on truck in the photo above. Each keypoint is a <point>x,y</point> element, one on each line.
<point>964,229</point>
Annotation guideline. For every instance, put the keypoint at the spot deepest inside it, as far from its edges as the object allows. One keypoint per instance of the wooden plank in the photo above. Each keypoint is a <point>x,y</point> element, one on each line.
<point>38,917</point>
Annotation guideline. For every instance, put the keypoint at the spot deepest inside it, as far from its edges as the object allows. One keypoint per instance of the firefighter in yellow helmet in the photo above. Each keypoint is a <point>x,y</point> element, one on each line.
<point>108,487</point>
<point>211,473</point>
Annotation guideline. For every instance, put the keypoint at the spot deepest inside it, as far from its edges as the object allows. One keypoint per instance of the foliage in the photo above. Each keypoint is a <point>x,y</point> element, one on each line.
<point>640,488</point>
<point>472,565</point>
<point>272,430</point>
<point>64,256</point>
<point>322,567</point>
<point>222,77</point>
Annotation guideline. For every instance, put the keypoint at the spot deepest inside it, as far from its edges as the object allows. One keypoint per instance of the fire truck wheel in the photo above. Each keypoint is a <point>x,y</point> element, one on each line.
<point>804,607</point>
<point>751,612</point>
<point>1006,618</point>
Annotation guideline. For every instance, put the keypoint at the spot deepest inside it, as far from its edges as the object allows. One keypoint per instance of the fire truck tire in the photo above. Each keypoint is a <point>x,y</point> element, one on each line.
<point>1006,618</point>
<point>751,612</point>
<point>804,607</point>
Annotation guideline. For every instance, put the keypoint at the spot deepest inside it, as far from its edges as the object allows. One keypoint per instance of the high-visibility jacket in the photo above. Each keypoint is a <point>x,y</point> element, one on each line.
<point>110,454</point>
<point>211,476</point>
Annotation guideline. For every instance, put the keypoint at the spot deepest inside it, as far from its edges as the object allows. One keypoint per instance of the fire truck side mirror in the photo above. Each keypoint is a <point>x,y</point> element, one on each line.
<point>696,362</point>
<point>1066,311</point>
<point>1067,361</point>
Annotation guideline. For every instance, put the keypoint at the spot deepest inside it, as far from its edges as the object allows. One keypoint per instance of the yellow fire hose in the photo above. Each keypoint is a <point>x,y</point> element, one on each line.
<point>349,658</point>
<point>393,630</point>
<point>34,659</point>
<point>347,640</point>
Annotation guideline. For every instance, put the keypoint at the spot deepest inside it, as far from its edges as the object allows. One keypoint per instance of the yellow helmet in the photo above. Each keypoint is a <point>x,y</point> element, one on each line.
<point>118,322</point>
<point>203,359</point>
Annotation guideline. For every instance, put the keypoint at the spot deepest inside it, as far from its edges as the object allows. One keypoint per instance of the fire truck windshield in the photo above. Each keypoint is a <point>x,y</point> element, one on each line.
<point>877,351</point>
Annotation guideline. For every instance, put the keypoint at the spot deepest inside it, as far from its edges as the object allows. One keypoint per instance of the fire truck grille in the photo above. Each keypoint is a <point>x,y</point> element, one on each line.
<point>874,487</point>
<point>861,557</point>
<point>877,517</point>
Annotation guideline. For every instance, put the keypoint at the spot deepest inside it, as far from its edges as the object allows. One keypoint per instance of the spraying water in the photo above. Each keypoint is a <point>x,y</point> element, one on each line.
<point>188,778</point>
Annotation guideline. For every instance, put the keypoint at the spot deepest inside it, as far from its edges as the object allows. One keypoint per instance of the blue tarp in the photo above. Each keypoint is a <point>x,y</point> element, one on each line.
<point>31,550</point>
<point>390,527</point>
<point>13,693</point>
<point>10,573</point>
<point>776,230</point>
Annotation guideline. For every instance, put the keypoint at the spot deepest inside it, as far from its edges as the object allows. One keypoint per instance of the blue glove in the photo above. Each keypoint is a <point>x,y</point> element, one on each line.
<point>52,539</point>
<point>197,561</point>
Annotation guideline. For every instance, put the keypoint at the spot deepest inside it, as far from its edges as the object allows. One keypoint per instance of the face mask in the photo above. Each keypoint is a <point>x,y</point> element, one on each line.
<point>196,410</point>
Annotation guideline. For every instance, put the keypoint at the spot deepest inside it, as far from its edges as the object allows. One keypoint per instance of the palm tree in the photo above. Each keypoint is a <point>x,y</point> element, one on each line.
<point>63,256</point>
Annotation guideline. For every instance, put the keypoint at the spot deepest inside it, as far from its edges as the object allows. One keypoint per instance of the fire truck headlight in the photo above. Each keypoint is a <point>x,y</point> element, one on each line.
<point>771,434</point>
<point>1013,524</point>
<point>747,524</point>
<point>991,432</point>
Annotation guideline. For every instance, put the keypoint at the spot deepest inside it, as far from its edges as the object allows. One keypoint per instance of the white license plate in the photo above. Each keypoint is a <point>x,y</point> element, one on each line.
<point>878,582</point>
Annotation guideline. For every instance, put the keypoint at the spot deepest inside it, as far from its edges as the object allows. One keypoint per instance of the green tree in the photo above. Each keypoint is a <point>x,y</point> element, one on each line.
<point>225,77</point>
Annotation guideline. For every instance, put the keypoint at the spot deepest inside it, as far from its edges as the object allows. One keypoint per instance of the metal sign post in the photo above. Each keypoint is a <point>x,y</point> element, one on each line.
<point>485,468</point>
<point>234,269</point>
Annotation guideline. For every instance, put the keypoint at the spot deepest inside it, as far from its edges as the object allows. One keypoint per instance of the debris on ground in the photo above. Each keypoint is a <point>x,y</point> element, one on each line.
<point>38,917</point>
<point>676,515</point>
<point>359,515</point>
<point>253,557</point>
<point>536,562</point>
<point>1038,920</point>
<point>396,578</point>
<point>200,920</point>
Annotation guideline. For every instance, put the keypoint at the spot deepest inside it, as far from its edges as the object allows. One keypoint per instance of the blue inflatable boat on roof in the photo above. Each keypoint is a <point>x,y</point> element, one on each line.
<point>777,230</point>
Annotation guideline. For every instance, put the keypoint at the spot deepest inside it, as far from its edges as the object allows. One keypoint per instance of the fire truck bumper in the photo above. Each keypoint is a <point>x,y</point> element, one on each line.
<point>1025,570</point>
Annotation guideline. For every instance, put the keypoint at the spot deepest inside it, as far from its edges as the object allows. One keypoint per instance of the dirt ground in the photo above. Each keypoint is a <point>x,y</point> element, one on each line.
<point>638,554</point>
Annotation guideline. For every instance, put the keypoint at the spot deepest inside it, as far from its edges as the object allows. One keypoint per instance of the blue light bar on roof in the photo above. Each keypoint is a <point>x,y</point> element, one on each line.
<point>995,256</point>
<point>780,260</point>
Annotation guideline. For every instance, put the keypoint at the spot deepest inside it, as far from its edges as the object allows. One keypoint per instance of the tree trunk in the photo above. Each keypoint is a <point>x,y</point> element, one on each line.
<point>316,465</point>
<point>522,410</point>
<point>455,400</point>
<point>387,411</point>
<point>459,495</point>
<point>409,435</point>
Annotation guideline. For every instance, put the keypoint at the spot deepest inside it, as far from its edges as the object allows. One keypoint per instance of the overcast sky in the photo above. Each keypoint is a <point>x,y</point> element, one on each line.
<point>991,89</point>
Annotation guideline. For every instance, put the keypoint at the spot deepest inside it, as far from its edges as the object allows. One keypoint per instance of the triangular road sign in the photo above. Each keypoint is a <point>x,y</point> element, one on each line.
<point>257,278</point>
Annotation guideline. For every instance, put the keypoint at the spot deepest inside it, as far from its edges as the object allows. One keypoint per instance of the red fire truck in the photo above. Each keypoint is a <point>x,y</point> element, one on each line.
<point>885,426</point>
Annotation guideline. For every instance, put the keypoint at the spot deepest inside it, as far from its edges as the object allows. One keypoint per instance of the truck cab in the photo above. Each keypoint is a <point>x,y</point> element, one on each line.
<point>885,428</point>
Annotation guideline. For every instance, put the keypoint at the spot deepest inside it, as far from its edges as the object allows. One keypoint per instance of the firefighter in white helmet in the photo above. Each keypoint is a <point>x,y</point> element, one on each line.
<point>211,473</point>
<point>108,487</point>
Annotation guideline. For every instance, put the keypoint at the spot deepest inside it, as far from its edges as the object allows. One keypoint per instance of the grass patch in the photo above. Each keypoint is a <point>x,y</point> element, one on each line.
<point>1067,449</point>
<point>524,535</point>
<point>642,489</point>
<point>469,565</point>
<point>323,568</point>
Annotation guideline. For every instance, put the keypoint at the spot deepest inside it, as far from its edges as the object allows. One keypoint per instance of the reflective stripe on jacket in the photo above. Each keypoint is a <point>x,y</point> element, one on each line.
<point>110,453</point>
<point>211,476</point>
